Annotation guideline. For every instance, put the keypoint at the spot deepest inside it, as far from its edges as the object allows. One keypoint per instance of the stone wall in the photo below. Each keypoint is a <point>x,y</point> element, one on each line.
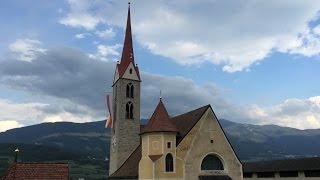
<point>126,137</point>
<point>206,138</point>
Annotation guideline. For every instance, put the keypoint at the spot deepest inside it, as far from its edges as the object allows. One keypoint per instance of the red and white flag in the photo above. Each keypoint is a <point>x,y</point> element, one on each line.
<point>108,104</point>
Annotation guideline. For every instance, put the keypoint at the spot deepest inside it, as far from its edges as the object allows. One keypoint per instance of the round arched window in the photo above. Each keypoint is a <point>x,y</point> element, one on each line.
<point>169,163</point>
<point>211,162</point>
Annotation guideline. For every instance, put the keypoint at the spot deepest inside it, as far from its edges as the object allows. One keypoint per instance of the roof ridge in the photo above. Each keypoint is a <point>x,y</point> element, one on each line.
<point>206,106</point>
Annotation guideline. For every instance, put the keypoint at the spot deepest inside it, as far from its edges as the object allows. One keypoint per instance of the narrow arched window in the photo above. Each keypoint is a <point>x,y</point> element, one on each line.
<point>132,91</point>
<point>129,110</point>
<point>169,163</point>
<point>211,162</point>
<point>129,90</point>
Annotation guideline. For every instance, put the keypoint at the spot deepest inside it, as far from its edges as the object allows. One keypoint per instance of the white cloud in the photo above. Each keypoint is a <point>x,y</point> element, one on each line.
<point>6,125</point>
<point>80,20</point>
<point>296,113</point>
<point>316,30</point>
<point>308,44</point>
<point>26,49</point>
<point>67,116</point>
<point>106,34</point>
<point>231,33</point>
<point>105,52</point>
<point>81,35</point>
<point>20,113</point>
<point>13,115</point>
<point>79,16</point>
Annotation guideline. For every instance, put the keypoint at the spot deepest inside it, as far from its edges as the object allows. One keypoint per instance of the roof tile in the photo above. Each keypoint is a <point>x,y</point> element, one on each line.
<point>38,171</point>
<point>160,121</point>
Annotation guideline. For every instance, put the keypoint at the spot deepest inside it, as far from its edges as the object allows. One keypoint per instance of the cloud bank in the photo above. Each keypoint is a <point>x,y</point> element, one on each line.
<point>73,87</point>
<point>231,33</point>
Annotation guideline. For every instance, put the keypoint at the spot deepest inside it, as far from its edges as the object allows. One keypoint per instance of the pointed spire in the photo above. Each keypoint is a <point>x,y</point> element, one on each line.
<point>160,121</point>
<point>127,56</point>
<point>127,52</point>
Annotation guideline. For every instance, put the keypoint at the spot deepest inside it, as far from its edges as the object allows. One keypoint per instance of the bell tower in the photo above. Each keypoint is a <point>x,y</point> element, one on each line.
<point>126,102</point>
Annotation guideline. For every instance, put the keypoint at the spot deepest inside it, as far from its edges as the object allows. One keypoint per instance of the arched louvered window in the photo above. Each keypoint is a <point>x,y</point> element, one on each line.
<point>211,162</point>
<point>129,91</point>
<point>169,163</point>
<point>132,91</point>
<point>129,110</point>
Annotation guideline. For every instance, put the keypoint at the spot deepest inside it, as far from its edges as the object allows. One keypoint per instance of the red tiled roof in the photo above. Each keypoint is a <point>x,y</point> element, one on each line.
<point>160,121</point>
<point>50,171</point>
<point>130,168</point>
<point>127,52</point>
<point>186,121</point>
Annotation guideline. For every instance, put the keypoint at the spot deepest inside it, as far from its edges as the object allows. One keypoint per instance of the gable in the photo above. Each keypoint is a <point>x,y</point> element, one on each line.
<point>185,122</point>
<point>131,73</point>
<point>208,128</point>
<point>208,138</point>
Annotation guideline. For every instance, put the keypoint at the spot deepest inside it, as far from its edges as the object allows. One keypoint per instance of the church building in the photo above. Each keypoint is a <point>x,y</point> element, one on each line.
<point>188,146</point>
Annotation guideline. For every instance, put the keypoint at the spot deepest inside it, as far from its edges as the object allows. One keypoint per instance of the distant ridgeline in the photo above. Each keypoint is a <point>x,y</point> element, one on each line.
<point>86,145</point>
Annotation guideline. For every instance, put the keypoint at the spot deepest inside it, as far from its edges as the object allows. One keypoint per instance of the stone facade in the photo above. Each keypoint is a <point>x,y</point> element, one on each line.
<point>156,144</point>
<point>208,138</point>
<point>125,137</point>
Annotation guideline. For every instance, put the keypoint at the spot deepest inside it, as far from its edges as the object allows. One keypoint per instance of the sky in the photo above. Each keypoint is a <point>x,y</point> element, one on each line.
<point>255,62</point>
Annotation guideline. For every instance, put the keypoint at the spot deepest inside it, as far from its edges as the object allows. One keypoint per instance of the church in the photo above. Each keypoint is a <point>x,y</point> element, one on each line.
<point>188,146</point>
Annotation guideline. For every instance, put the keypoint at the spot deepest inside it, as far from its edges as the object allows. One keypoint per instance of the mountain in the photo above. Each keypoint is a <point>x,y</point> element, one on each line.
<point>86,145</point>
<point>90,138</point>
<point>256,142</point>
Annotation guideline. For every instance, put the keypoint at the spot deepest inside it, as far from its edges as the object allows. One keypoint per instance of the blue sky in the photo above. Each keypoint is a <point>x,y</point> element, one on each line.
<point>253,61</point>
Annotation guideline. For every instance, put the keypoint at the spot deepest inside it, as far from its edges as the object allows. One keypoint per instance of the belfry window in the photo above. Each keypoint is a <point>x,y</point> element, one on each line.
<point>211,162</point>
<point>129,110</point>
<point>130,90</point>
<point>169,163</point>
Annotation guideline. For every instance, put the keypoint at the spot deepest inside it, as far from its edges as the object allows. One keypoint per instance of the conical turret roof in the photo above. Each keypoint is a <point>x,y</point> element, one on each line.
<point>160,121</point>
